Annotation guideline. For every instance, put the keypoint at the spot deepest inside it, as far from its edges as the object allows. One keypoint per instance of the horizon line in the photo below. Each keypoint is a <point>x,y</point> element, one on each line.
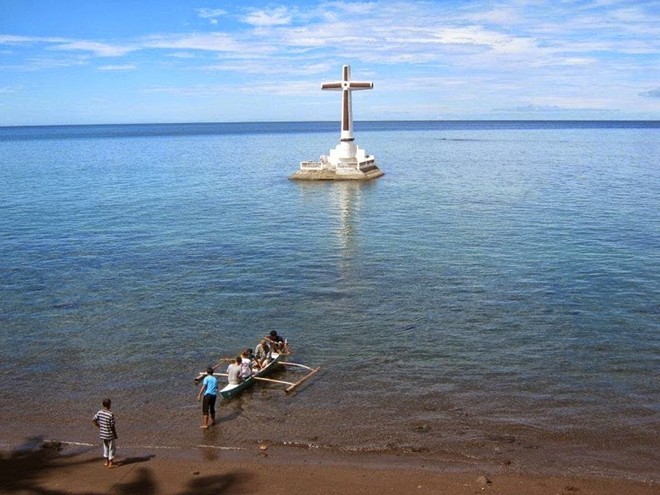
<point>2,126</point>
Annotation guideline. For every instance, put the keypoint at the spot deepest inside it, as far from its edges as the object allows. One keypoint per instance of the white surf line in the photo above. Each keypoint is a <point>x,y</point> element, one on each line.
<point>153,447</point>
<point>65,442</point>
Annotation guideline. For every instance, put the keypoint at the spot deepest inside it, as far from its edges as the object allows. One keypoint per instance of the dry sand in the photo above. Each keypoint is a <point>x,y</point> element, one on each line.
<point>79,470</point>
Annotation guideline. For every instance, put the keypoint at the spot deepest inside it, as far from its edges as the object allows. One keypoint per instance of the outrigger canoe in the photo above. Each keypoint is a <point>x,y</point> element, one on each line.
<point>277,362</point>
<point>231,391</point>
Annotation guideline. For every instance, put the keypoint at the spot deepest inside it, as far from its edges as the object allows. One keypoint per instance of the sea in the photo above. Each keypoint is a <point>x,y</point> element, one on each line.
<point>492,301</point>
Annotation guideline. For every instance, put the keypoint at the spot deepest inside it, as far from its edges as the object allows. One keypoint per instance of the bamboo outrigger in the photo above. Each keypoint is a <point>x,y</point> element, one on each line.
<point>277,360</point>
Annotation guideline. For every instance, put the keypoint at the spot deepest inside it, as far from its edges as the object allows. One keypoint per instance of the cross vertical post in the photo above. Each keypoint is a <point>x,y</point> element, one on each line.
<point>346,86</point>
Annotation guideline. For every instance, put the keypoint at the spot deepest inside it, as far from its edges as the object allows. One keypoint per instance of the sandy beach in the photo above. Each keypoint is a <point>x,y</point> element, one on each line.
<point>66,469</point>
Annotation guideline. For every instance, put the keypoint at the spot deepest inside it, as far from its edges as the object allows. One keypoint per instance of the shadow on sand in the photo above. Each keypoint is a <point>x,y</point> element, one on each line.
<point>27,469</point>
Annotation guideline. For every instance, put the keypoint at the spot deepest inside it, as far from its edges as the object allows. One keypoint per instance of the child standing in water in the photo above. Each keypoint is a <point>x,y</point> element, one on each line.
<point>105,422</point>
<point>208,390</point>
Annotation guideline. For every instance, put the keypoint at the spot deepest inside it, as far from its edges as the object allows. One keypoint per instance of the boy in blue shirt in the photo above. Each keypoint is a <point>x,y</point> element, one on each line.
<point>209,390</point>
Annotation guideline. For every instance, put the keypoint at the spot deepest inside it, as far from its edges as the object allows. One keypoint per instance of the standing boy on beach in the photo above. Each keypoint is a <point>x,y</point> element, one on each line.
<point>105,422</point>
<point>210,390</point>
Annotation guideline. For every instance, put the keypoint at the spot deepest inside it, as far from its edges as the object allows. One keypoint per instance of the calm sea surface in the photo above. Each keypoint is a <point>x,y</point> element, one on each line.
<point>494,298</point>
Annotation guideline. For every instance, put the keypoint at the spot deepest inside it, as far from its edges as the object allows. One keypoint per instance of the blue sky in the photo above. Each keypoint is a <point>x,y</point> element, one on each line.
<point>133,61</point>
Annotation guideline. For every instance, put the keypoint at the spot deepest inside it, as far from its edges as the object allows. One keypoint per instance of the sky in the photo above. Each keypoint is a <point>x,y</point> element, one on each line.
<point>155,61</point>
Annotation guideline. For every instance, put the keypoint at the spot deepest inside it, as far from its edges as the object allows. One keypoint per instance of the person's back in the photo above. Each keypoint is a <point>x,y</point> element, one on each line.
<point>208,391</point>
<point>210,383</point>
<point>246,364</point>
<point>234,372</point>
<point>105,422</point>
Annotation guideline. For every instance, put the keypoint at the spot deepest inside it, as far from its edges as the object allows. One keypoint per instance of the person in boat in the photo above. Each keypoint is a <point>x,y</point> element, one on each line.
<point>262,353</point>
<point>246,364</point>
<point>256,365</point>
<point>277,342</point>
<point>209,390</point>
<point>234,371</point>
<point>250,355</point>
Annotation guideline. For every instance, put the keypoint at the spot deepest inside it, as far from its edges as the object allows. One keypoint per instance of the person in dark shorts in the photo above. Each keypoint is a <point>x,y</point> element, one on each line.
<point>209,392</point>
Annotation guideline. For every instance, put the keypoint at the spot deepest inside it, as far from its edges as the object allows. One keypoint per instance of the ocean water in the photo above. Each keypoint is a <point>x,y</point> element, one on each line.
<point>494,299</point>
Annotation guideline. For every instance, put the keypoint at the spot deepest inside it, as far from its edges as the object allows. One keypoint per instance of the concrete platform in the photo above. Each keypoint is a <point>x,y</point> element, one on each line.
<point>333,175</point>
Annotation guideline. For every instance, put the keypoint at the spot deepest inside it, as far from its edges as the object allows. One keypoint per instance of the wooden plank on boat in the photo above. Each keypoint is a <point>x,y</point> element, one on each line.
<point>304,378</point>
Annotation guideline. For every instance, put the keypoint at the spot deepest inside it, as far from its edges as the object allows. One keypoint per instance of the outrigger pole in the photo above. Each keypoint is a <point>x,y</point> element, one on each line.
<point>312,372</point>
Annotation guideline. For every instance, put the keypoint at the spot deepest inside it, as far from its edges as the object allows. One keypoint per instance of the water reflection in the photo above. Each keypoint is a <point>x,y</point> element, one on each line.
<point>342,202</point>
<point>347,198</point>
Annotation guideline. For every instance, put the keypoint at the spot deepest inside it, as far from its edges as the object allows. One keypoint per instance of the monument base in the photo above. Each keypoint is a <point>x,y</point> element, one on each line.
<point>345,162</point>
<point>329,174</point>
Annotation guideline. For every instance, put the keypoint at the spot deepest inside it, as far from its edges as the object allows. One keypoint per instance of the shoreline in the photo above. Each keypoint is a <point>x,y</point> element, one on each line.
<point>60,468</point>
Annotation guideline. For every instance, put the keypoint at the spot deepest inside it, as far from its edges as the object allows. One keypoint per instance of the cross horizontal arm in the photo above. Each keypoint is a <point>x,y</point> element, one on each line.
<point>361,85</point>
<point>335,85</point>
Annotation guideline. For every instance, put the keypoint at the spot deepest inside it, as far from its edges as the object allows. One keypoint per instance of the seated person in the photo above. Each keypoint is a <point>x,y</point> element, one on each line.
<point>246,364</point>
<point>234,371</point>
<point>277,343</point>
<point>262,353</point>
<point>254,362</point>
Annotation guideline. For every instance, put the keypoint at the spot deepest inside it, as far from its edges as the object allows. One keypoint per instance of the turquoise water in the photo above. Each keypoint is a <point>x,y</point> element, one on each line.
<point>494,298</point>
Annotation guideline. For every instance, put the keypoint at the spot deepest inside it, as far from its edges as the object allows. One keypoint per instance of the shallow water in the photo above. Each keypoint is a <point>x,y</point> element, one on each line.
<point>494,297</point>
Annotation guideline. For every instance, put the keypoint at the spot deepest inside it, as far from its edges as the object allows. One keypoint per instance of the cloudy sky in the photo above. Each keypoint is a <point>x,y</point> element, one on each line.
<point>129,61</point>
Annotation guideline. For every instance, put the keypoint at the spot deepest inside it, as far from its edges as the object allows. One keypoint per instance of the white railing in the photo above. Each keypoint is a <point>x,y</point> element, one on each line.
<point>320,165</point>
<point>341,167</point>
<point>311,166</point>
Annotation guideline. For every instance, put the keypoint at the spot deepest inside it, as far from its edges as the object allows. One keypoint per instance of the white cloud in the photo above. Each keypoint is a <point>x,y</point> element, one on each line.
<point>97,48</point>
<point>277,16</point>
<point>501,16</point>
<point>9,39</point>
<point>218,42</point>
<point>44,63</point>
<point>532,108</point>
<point>210,14</point>
<point>288,88</point>
<point>117,67</point>
<point>354,8</point>
<point>185,55</point>
<point>392,33</point>
<point>515,51</point>
<point>192,90</point>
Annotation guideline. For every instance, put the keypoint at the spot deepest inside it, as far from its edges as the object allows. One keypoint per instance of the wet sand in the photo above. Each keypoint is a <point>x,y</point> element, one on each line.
<point>67,469</point>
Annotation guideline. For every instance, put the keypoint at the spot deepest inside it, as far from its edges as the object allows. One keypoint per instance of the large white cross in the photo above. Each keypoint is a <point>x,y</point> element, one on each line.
<point>346,86</point>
